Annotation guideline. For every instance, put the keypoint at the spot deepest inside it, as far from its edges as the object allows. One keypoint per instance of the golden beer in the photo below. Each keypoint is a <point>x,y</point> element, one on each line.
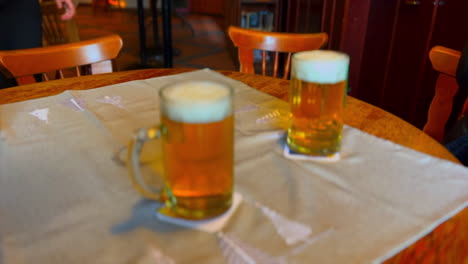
<point>198,147</point>
<point>317,97</point>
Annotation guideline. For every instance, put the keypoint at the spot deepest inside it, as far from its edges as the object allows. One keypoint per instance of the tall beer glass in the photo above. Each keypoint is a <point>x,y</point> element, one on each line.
<point>317,98</point>
<point>196,130</point>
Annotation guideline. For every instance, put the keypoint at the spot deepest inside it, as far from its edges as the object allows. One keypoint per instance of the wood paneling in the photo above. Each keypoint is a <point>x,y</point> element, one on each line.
<point>312,16</point>
<point>332,22</point>
<point>412,29</point>
<point>303,16</point>
<point>353,39</point>
<point>373,51</point>
<point>212,7</point>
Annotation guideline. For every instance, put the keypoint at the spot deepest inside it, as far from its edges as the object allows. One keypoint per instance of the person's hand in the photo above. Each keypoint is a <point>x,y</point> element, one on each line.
<point>69,8</point>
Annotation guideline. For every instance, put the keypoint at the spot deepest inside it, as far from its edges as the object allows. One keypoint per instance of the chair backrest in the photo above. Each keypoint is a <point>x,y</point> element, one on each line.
<point>247,41</point>
<point>23,64</point>
<point>445,61</point>
<point>54,30</point>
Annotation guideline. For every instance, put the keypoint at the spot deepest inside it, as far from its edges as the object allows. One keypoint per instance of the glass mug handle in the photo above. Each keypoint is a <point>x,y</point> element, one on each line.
<point>135,146</point>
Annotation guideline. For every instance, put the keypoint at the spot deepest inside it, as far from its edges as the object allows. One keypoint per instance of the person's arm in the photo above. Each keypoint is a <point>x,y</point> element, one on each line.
<point>69,8</point>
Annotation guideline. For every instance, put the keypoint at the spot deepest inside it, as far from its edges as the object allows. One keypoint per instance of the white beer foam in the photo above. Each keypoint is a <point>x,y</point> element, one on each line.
<point>197,102</point>
<point>320,66</point>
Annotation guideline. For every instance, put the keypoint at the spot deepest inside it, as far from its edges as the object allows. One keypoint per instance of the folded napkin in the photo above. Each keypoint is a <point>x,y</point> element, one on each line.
<point>65,196</point>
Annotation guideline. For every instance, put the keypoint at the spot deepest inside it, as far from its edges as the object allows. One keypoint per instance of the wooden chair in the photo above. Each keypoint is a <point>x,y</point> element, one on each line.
<point>54,30</point>
<point>24,64</point>
<point>249,40</point>
<point>445,61</point>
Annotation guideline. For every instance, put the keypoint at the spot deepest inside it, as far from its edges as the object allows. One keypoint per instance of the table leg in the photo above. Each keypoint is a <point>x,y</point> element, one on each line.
<point>154,10</point>
<point>142,32</point>
<point>167,33</point>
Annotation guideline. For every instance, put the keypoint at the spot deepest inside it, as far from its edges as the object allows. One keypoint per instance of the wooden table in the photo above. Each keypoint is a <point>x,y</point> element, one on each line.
<point>448,243</point>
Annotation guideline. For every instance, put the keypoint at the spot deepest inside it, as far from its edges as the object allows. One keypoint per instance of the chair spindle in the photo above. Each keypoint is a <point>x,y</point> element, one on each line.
<point>44,76</point>
<point>264,62</point>
<point>77,71</point>
<point>287,66</point>
<point>275,65</point>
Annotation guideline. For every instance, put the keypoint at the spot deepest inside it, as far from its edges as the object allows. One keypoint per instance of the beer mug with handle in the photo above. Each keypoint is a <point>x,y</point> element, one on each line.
<point>197,135</point>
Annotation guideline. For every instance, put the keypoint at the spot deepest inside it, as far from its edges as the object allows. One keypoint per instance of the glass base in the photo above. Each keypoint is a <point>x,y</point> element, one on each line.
<point>315,148</point>
<point>196,208</point>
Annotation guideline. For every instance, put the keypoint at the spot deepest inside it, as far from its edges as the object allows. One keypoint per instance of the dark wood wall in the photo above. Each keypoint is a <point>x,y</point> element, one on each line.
<point>310,16</point>
<point>211,7</point>
<point>303,16</point>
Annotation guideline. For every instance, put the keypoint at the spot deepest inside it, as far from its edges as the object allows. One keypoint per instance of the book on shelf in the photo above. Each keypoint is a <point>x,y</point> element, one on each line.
<point>260,20</point>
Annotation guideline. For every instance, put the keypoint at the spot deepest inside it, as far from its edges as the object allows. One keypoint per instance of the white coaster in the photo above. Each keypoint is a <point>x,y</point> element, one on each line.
<point>211,225</point>
<point>290,154</point>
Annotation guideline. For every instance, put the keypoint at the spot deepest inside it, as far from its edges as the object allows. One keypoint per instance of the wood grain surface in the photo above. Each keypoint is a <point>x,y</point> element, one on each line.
<point>448,243</point>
